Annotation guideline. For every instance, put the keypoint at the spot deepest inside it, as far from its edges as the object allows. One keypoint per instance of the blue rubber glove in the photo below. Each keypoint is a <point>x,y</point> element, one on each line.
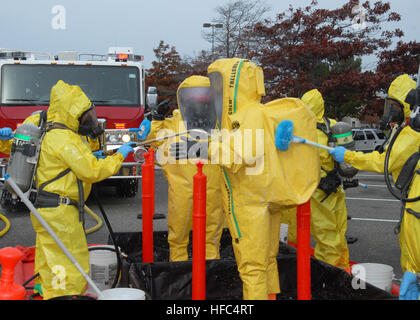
<point>145,127</point>
<point>409,289</point>
<point>126,148</point>
<point>99,154</point>
<point>6,133</point>
<point>338,153</point>
<point>283,135</point>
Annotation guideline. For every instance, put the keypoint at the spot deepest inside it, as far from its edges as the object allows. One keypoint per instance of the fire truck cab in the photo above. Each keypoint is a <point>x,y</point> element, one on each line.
<point>115,83</point>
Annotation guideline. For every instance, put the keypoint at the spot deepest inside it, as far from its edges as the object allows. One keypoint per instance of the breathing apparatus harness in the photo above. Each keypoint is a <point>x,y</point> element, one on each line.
<point>27,149</point>
<point>408,171</point>
<point>45,199</point>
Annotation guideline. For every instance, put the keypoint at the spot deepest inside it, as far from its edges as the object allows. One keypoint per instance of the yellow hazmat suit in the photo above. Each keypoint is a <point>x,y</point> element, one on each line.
<point>406,144</point>
<point>179,174</point>
<point>328,217</point>
<point>63,148</point>
<point>259,180</point>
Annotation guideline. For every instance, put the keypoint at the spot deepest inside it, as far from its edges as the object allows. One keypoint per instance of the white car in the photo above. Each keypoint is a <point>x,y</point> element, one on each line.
<point>368,140</point>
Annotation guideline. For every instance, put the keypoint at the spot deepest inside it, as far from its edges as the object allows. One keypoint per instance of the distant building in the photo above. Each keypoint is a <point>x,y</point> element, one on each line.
<point>354,122</point>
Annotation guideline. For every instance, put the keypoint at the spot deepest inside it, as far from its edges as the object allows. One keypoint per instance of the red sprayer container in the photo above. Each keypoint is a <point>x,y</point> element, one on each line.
<point>148,204</point>
<point>304,251</point>
<point>199,234</point>
<point>9,290</point>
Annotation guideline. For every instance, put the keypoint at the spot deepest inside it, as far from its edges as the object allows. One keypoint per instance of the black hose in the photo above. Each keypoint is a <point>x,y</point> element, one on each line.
<point>29,280</point>
<point>386,173</point>
<point>111,232</point>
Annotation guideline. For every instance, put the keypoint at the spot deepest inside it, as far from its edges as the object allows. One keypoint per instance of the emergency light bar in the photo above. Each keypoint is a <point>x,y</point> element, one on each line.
<point>15,55</point>
<point>124,57</point>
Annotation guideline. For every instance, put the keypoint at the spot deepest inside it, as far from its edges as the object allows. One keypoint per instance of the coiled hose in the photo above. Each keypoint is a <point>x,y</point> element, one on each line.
<point>7,227</point>
<point>97,218</point>
<point>88,231</point>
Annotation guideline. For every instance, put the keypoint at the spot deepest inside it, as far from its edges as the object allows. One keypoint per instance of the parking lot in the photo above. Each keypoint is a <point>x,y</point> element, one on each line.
<point>374,214</point>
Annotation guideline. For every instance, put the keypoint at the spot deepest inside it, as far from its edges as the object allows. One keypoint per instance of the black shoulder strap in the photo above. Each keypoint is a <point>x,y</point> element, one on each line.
<point>42,120</point>
<point>324,127</point>
<point>60,175</point>
<point>407,172</point>
<point>57,125</point>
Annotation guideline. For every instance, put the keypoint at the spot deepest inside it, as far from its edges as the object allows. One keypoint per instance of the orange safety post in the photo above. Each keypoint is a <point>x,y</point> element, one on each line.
<point>9,290</point>
<point>199,235</point>
<point>148,204</point>
<point>304,251</point>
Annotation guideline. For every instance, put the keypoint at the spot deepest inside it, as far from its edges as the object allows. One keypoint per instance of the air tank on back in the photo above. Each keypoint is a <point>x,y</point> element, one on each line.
<point>342,133</point>
<point>23,155</point>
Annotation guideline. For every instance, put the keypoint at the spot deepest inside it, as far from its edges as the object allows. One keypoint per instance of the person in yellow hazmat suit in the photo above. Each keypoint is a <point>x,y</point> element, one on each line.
<point>65,173</point>
<point>328,211</point>
<point>180,174</point>
<point>259,181</point>
<point>396,160</point>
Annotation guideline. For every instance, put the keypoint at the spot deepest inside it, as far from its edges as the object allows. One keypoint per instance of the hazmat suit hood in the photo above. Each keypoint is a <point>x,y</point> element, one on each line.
<point>399,89</point>
<point>67,104</point>
<point>196,103</point>
<point>245,86</point>
<point>314,101</point>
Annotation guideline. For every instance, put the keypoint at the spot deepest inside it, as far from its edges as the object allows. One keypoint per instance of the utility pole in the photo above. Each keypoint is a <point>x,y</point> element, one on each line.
<point>212,26</point>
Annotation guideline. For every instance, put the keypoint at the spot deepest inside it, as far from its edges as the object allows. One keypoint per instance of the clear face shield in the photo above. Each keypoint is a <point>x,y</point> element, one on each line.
<point>196,105</point>
<point>216,80</point>
<point>89,124</point>
<point>393,112</point>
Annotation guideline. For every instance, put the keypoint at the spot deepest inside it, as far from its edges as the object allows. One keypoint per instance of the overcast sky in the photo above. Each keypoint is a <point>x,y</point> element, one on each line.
<point>91,26</point>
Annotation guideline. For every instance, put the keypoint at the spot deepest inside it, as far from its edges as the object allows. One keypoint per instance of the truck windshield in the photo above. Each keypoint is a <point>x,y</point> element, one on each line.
<point>25,84</point>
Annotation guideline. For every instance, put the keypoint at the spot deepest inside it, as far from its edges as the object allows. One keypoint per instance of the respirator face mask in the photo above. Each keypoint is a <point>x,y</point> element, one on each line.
<point>413,99</point>
<point>393,112</point>
<point>89,125</point>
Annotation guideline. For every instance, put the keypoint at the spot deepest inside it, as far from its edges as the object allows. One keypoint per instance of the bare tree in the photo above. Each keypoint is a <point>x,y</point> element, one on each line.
<point>237,17</point>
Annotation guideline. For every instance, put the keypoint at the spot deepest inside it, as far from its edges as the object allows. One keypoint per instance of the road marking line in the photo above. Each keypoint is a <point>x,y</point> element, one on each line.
<point>376,185</point>
<point>370,175</point>
<point>372,199</point>
<point>375,220</point>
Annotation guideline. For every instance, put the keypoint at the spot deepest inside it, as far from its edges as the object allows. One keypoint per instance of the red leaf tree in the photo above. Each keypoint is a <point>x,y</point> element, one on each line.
<point>307,48</point>
<point>167,72</point>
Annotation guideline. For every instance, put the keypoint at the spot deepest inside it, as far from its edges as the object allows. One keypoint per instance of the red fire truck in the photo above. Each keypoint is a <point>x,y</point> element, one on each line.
<point>114,82</point>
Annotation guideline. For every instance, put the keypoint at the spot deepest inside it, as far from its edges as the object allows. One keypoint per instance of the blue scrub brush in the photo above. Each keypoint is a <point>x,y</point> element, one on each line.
<point>284,136</point>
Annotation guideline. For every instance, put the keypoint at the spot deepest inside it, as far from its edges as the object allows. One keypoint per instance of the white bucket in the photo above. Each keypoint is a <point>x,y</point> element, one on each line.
<point>379,275</point>
<point>123,294</point>
<point>103,266</point>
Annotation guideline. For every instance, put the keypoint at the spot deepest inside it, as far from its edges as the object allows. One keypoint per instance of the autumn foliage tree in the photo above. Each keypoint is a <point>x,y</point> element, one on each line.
<point>169,70</point>
<point>166,72</point>
<point>404,58</point>
<point>307,48</point>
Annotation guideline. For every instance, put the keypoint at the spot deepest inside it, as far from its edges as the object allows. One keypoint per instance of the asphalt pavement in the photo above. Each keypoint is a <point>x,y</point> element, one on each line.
<point>374,214</point>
